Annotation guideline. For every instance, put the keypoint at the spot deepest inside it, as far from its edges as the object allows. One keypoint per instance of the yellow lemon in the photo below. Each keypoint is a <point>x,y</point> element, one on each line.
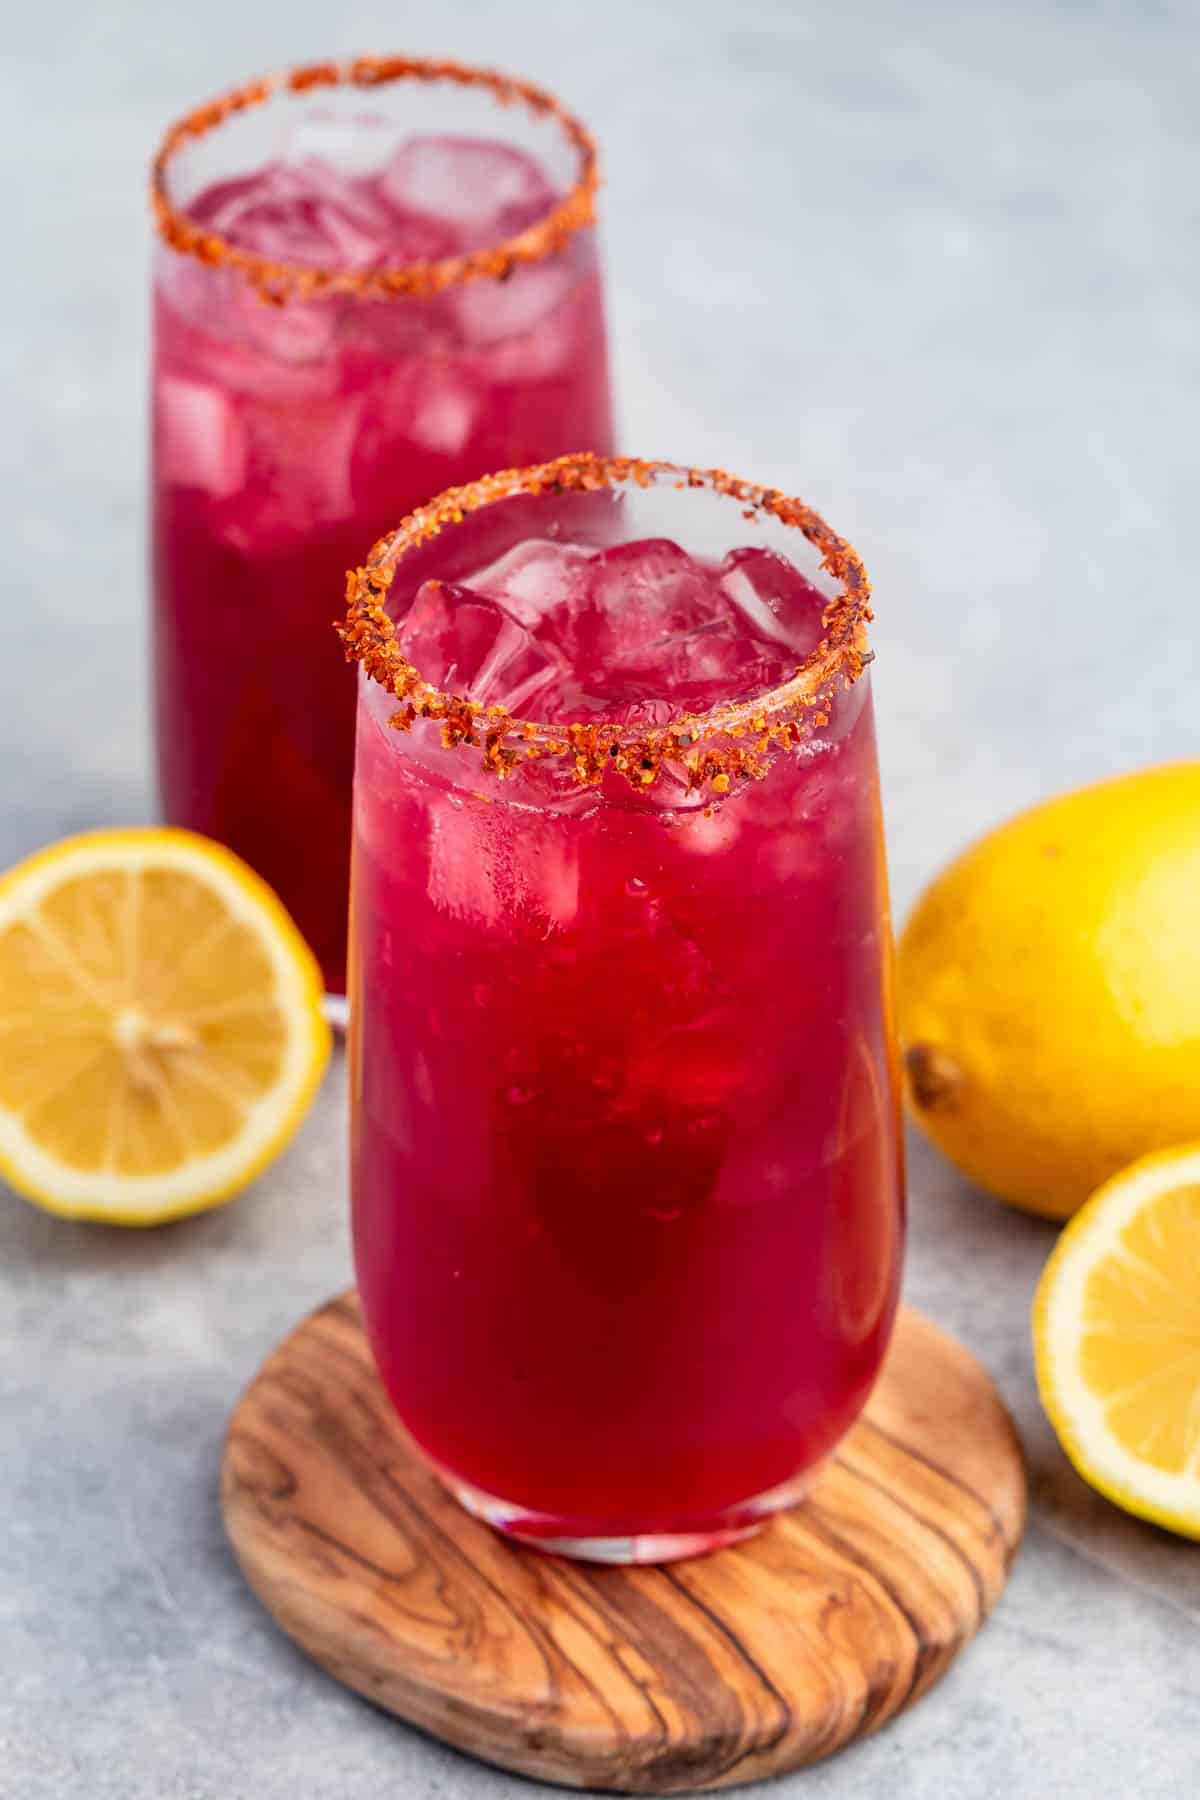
<point>1116,1334</point>
<point>161,1033</point>
<point>1048,990</point>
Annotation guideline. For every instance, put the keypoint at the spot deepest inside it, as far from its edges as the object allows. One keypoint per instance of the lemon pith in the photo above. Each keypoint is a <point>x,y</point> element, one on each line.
<point>1116,1327</point>
<point>160,1026</point>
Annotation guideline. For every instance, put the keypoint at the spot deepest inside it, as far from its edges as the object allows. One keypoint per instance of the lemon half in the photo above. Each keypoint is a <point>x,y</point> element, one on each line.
<point>1116,1330</point>
<point>161,1034</point>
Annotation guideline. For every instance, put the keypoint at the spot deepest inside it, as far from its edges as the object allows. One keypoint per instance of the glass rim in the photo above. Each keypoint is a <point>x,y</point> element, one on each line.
<point>724,744</point>
<point>278,282</point>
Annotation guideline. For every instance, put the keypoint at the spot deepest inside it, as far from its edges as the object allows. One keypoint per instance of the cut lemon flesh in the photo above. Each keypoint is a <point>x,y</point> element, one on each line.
<point>161,1033</point>
<point>1116,1328</point>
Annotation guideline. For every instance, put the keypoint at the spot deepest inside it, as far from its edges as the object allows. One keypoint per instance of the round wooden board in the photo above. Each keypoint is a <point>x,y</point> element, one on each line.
<point>699,1674</point>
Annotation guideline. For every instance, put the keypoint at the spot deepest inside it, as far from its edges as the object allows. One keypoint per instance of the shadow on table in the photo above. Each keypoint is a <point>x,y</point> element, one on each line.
<point>35,1240</point>
<point>1132,1551</point>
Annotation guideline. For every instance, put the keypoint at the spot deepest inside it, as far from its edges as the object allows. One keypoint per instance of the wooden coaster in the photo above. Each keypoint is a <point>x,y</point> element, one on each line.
<point>699,1674</point>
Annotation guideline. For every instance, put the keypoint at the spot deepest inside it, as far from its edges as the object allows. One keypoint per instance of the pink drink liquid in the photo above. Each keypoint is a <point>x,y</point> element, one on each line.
<point>286,440</point>
<point>626,1179</point>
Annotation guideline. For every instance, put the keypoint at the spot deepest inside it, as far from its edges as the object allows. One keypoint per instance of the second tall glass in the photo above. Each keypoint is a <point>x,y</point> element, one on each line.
<point>372,284</point>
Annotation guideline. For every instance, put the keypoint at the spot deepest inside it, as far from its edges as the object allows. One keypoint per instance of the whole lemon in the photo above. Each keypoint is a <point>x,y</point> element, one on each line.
<point>1049,991</point>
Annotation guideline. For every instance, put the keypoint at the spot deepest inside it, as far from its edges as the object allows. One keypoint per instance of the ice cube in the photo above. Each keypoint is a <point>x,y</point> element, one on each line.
<point>639,713</point>
<point>245,335</point>
<point>533,578</point>
<point>460,639</point>
<point>545,876</point>
<point>493,312</point>
<point>777,604</point>
<point>652,590</point>
<point>462,862</point>
<point>308,213</point>
<point>199,439</point>
<point>358,144</point>
<point>410,236</point>
<point>653,631</point>
<point>486,191</point>
<point>419,409</point>
<point>446,406</point>
<point>710,831</point>
<point>211,321</point>
<point>425,400</point>
<point>474,874</point>
<point>300,467</point>
<point>652,634</point>
<point>521,330</point>
<point>413,239</point>
<point>380,332</point>
<point>300,332</point>
<point>668,795</point>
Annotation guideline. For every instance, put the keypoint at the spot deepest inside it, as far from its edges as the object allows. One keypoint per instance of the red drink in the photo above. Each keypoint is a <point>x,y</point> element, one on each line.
<point>625,1149</point>
<point>288,436</point>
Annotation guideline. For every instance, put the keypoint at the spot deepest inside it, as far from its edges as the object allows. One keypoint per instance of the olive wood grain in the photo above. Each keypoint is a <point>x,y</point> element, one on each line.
<point>700,1674</point>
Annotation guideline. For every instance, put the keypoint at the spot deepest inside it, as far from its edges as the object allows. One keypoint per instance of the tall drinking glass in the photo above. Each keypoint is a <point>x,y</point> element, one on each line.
<point>626,1166</point>
<point>374,280</point>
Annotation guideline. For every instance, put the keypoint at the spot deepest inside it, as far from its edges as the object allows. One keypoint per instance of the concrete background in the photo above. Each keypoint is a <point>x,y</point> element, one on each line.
<point>934,267</point>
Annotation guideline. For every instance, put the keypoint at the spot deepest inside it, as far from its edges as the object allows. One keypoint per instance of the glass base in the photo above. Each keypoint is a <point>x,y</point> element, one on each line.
<point>541,1532</point>
<point>337,1012</point>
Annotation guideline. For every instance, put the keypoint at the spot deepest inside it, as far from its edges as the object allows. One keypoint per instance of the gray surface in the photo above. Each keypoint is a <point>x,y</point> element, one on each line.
<point>936,268</point>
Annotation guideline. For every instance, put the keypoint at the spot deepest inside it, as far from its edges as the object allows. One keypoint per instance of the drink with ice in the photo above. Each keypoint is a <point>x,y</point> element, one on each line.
<point>626,1182</point>
<point>287,437</point>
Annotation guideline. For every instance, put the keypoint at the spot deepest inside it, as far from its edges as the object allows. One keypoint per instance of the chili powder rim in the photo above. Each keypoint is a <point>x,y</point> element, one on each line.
<point>278,282</point>
<point>717,747</point>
